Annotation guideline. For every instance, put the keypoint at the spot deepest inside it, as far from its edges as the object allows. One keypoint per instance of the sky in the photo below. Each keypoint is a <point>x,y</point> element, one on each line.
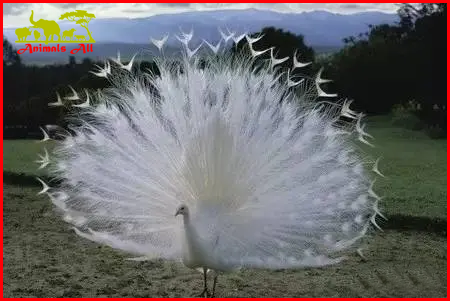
<point>17,14</point>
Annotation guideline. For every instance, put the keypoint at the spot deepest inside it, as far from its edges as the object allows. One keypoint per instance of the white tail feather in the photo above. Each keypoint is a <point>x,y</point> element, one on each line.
<point>214,48</point>
<point>117,60</point>
<point>45,187</point>
<point>237,39</point>
<point>58,102</point>
<point>103,71</point>
<point>297,64</point>
<point>185,38</point>
<point>44,160</point>
<point>46,136</point>
<point>127,67</point>
<point>269,178</point>
<point>74,95</point>
<point>275,61</point>
<point>86,103</point>
<point>161,42</point>
<point>226,37</point>
<point>291,83</point>
<point>320,81</point>
<point>252,41</point>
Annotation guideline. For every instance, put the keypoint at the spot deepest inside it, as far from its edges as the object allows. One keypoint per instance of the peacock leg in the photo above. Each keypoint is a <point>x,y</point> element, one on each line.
<point>216,275</point>
<point>205,292</point>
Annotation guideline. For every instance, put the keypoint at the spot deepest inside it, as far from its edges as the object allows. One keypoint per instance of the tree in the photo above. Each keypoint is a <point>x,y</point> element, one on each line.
<point>395,64</point>
<point>10,55</point>
<point>427,44</point>
<point>72,61</point>
<point>285,44</point>
<point>80,17</point>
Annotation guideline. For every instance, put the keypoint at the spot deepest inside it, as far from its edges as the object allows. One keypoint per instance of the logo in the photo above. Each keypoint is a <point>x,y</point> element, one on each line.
<point>48,31</point>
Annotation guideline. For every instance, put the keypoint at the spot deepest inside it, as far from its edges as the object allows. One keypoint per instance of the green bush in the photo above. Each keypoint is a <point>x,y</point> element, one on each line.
<point>436,132</point>
<point>411,116</point>
<point>405,116</point>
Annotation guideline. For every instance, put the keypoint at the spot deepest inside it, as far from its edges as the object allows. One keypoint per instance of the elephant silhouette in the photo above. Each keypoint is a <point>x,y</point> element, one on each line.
<point>50,28</point>
<point>68,33</point>
<point>80,37</point>
<point>22,33</point>
<point>37,35</point>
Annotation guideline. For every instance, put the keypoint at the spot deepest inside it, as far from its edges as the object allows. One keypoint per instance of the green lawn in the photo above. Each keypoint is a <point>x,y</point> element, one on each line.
<point>19,155</point>
<point>415,167</point>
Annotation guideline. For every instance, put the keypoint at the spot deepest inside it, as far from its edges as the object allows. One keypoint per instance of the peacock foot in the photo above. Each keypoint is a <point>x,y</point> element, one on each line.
<point>205,293</point>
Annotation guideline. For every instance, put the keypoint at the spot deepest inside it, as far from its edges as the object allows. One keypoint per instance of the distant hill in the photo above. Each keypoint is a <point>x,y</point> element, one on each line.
<point>322,29</point>
<point>105,50</point>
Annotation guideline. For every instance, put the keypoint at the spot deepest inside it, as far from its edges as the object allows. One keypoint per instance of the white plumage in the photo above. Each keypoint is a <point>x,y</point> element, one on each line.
<point>264,175</point>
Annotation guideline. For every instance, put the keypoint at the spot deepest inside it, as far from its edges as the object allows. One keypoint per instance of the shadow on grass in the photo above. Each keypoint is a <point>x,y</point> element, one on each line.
<point>23,179</point>
<point>395,222</point>
<point>400,222</point>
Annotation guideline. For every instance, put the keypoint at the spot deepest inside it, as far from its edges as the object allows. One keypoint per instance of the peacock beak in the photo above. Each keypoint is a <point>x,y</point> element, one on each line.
<point>178,212</point>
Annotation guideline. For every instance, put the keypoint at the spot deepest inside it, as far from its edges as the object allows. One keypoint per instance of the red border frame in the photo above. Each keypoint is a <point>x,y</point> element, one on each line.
<point>1,131</point>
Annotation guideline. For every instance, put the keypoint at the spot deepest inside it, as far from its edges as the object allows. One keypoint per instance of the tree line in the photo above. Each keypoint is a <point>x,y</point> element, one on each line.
<point>398,66</point>
<point>384,69</point>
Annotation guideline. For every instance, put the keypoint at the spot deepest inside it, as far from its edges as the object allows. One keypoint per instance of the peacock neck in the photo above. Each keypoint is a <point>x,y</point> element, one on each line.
<point>191,232</point>
<point>192,237</point>
<point>186,220</point>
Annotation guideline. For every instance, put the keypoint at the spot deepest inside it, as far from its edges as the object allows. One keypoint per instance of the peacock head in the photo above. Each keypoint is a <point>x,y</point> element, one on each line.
<point>183,210</point>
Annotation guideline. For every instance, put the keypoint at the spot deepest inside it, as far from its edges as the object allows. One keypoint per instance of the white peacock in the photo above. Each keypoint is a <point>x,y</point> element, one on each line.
<point>263,172</point>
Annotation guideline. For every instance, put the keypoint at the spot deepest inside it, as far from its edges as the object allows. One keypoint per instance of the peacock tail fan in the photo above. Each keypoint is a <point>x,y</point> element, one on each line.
<point>266,164</point>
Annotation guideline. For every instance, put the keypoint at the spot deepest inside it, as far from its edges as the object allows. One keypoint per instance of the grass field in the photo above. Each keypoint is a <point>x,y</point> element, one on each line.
<point>19,156</point>
<point>416,171</point>
<point>44,258</point>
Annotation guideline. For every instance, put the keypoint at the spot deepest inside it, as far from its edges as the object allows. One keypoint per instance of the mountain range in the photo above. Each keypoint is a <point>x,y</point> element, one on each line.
<point>321,29</point>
